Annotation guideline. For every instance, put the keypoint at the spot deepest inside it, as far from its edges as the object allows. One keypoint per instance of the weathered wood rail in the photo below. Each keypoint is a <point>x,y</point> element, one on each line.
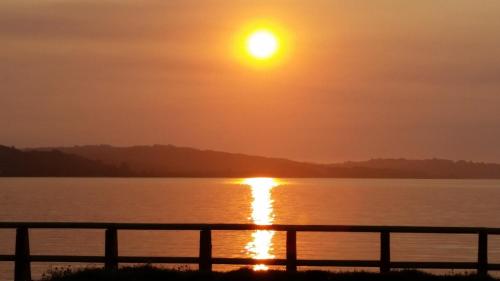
<point>111,258</point>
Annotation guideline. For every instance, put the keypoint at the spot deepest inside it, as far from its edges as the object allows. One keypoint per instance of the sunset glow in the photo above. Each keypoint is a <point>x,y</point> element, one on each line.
<point>267,135</point>
<point>261,245</point>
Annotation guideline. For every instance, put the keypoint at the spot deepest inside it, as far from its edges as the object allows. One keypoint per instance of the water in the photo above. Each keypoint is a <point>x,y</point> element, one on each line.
<point>293,201</point>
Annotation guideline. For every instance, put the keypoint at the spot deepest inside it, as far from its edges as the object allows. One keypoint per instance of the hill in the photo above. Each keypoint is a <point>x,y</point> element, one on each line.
<point>431,168</point>
<point>53,163</point>
<point>173,161</point>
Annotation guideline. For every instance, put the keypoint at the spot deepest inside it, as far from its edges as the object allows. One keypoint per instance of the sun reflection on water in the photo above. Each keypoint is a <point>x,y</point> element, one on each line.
<point>261,245</point>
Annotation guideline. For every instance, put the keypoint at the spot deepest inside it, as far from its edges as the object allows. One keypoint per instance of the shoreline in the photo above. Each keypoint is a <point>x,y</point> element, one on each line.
<point>151,273</point>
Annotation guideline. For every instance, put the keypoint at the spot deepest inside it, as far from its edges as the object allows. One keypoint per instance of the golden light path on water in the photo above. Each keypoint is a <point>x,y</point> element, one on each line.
<point>261,245</point>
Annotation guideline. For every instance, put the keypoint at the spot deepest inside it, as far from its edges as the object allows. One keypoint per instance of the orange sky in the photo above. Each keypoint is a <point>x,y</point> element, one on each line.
<point>360,79</point>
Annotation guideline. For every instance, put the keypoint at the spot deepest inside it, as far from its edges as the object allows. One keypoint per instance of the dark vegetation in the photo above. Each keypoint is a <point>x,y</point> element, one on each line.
<point>148,273</point>
<point>431,168</point>
<point>14,162</point>
<point>173,161</point>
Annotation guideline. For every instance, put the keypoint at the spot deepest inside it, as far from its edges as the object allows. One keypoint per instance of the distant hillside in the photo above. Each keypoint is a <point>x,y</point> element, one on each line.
<point>173,161</point>
<point>431,168</point>
<point>17,163</point>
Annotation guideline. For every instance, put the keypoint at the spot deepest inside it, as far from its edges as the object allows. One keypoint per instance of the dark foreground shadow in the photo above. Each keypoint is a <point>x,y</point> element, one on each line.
<point>149,273</point>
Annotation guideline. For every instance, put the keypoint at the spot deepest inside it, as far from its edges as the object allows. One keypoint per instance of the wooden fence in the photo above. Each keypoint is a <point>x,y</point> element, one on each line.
<point>111,258</point>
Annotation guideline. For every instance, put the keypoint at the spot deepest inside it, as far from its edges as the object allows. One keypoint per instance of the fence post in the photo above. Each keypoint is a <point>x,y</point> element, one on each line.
<point>291,251</point>
<point>111,249</point>
<point>22,268</point>
<point>385,251</point>
<point>482,253</point>
<point>205,262</point>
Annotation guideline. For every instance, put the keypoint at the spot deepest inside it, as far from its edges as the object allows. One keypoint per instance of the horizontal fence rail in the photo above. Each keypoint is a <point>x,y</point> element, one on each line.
<point>22,257</point>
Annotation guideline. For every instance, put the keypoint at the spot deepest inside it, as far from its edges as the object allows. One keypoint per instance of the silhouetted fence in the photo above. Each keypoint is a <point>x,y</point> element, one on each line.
<point>111,258</point>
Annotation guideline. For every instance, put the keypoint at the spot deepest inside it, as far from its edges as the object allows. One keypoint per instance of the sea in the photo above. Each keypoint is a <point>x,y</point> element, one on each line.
<point>408,202</point>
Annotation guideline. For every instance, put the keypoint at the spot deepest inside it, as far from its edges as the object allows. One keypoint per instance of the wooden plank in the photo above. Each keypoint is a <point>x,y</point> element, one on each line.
<point>291,251</point>
<point>250,261</point>
<point>205,262</point>
<point>111,259</point>
<point>111,249</point>
<point>494,266</point>
<point>22,268</point>
<point>7,258</point>
<point>385,251</point>
<point>482,254</point>
<point>277,227</point>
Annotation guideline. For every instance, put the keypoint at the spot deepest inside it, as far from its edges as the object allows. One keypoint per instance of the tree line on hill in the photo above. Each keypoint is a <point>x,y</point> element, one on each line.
<point>173,161</point>
<point>54,163</point>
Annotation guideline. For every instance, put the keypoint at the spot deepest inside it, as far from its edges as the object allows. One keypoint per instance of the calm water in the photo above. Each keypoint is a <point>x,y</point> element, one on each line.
<point>292,201</point>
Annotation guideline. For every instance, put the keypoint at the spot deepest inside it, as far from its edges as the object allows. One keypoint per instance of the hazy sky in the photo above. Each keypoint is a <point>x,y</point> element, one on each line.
<point>360,79</point>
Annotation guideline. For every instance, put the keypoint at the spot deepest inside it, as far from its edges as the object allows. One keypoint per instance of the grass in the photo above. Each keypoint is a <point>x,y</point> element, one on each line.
<point>150,273</point>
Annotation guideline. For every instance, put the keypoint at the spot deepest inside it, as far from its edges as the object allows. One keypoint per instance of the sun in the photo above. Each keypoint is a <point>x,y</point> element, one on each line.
<point>262,44</point>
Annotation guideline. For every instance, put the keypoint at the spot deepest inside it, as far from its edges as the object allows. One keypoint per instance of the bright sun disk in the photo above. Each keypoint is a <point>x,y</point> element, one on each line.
<point>262,44</point>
